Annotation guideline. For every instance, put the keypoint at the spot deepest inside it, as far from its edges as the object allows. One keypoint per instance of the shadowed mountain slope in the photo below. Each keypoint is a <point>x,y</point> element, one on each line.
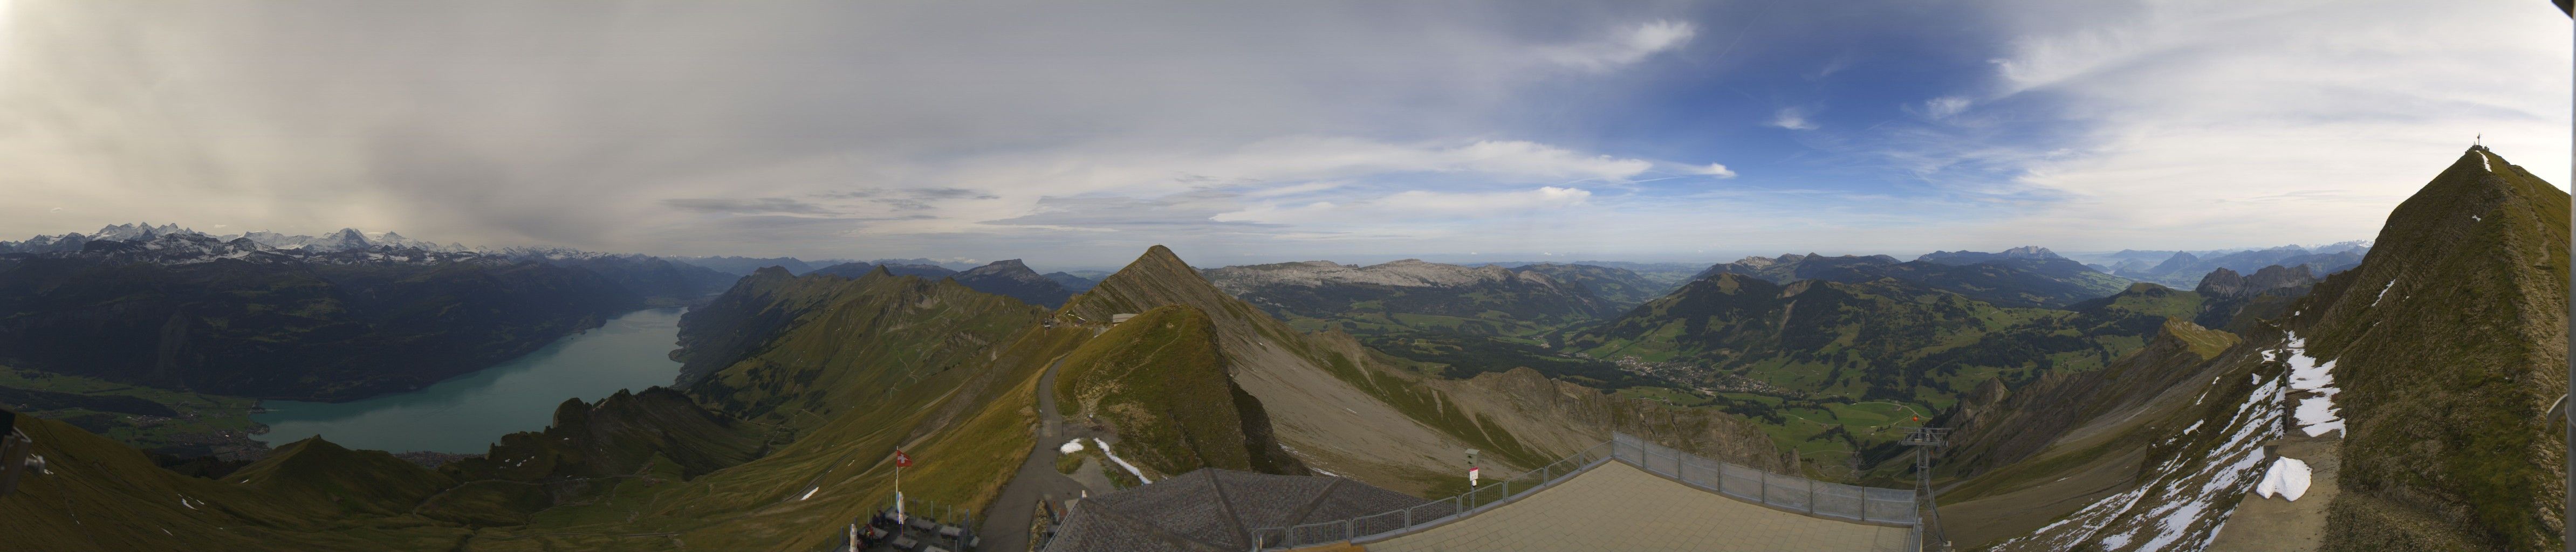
<point>258,323</point>
<point>1012,279</point>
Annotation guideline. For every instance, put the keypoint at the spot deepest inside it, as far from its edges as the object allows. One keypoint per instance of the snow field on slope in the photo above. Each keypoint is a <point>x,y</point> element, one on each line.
<point>2180,507</point>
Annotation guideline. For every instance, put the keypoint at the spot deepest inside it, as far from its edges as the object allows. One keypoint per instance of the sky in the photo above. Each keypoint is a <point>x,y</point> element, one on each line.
<point>1077,134</point>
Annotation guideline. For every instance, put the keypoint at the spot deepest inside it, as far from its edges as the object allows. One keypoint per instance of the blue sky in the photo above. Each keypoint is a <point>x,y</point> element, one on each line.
<point>1074,136</point>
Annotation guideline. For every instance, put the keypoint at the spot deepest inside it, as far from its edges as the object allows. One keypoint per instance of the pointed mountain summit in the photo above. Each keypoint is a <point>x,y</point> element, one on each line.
<point>2449,343</point>
<point>1155,279</point>
<point>2416,381</point>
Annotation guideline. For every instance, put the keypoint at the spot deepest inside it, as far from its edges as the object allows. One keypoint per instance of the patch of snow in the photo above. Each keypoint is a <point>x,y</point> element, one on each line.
<point>2320,428</point>
<point>1113,457</point>
<point>2317,410</point>
<point>2383,292</point>
<point>809,493</point>
<point>2288,478</point>
<point>2195,425</point>
<point>1070,447</point>
<point>2317,414</point>
<point>2184,499</point>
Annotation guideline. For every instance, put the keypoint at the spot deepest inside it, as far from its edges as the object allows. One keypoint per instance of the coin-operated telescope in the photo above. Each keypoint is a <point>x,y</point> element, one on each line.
<point>17,454</point>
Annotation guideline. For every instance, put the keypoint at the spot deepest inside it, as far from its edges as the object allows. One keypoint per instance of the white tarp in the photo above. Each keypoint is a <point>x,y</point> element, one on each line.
<point>2288,477</point>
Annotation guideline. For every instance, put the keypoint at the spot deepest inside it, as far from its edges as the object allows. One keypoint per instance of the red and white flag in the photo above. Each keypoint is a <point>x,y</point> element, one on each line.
<point>902,460</point>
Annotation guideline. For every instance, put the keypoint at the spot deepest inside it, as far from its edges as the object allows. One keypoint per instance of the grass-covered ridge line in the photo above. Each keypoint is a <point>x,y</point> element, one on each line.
<point>2445,374</point>
<point>1161,381</point>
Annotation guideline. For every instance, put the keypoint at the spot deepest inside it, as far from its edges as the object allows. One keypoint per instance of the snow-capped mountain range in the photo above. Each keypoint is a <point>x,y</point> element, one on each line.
<point>347,239</point>
<point>173,244</point>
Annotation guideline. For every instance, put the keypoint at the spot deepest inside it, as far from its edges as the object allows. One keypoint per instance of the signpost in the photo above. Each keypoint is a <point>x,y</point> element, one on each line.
<point>1471,468</point>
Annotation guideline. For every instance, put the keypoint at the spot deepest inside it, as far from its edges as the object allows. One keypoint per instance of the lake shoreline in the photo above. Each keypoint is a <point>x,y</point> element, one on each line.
<point>463,415</point>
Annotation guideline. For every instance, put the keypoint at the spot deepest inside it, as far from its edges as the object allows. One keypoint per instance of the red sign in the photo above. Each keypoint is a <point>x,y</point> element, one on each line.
<point>902,460</point>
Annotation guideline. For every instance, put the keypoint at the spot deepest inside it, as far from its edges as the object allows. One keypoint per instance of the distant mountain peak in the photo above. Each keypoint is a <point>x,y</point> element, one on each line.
<point>1014,279</point>
<point>1974,257</point>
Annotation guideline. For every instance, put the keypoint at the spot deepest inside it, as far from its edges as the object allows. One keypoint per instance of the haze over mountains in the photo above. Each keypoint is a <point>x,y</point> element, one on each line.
<point>2090,408</point>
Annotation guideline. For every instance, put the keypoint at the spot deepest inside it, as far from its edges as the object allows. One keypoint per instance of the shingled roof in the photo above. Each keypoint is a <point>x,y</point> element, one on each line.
<point>1210,509</point>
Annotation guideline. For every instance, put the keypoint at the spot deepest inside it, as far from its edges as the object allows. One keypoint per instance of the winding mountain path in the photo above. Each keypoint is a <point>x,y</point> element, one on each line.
<point>1006,528</point>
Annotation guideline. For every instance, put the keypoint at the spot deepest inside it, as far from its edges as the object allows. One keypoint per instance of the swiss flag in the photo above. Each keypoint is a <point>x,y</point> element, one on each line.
<point>902,460</point>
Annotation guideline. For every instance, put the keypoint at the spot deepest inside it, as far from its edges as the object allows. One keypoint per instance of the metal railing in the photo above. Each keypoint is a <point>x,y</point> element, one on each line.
<point>1798,494</point>
<point>1822,499</point>
<point>1475,500</point>
<point>941,517</point>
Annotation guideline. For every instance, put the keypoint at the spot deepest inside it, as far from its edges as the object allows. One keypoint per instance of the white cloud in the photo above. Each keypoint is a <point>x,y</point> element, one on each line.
<point>1626,47</point>
<point>560,125</point>
<point>2206,124</point>
<point>1415,206</point>
<point>1945,106</point>
<point>1792,118</point>
<point>1714,169</point>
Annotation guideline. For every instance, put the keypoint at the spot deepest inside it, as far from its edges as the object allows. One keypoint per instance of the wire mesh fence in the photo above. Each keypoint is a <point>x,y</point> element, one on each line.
<point>1394,521</point>
<point>1835,500</point>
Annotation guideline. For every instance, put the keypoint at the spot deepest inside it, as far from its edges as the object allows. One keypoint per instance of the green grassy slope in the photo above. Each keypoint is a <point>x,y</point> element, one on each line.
<point>863,340</point>
<point>1160,380</point>
<point>312,495</point>
<point>1996,429</point>
<point>2450,339</point>
<point>1253,340</point>
<point>2447,342</point>
<point>1837,370</point>
<point>370,482</point>
<point>149,418</point>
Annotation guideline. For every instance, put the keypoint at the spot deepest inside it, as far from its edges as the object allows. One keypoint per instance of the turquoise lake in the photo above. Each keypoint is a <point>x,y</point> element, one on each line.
<point>468,413</point>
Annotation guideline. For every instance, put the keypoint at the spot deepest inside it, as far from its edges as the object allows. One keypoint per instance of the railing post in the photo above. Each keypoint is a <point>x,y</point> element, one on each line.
<point>1811,495</point>
<point>1408,517</point>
